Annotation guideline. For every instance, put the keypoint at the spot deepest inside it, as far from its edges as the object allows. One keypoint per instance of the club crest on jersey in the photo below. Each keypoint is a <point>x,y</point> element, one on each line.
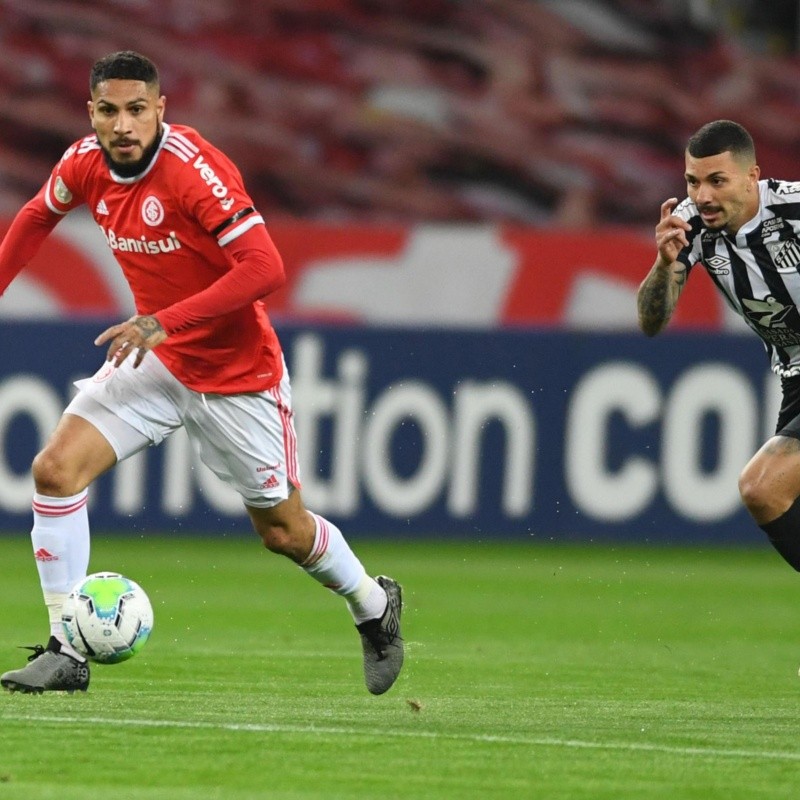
<point>62,193</point>
<point>785,255</point>
<point>152,210</point>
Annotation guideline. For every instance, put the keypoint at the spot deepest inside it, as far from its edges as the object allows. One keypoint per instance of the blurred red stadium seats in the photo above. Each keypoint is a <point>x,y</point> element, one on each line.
<point>568,114</point>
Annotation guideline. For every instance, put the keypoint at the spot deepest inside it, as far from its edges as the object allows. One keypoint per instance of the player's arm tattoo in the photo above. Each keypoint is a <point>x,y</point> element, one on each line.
<point>658,296</point>
<point>148,326</point>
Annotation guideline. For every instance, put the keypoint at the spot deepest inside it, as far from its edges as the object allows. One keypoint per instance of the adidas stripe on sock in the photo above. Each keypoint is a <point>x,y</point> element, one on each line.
<point>333,564</point>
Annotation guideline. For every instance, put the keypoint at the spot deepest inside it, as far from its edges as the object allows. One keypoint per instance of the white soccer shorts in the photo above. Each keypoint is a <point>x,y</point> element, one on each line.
<point>247,440</point>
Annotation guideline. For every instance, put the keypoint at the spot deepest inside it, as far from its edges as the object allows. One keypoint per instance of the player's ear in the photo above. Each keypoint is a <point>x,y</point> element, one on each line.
<point>754,174</point>
<point>161,104</point>
<point>90,109</point>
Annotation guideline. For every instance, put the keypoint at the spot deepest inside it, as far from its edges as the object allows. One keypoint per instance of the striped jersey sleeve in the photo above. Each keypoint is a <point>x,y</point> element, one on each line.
<point>211,186</point>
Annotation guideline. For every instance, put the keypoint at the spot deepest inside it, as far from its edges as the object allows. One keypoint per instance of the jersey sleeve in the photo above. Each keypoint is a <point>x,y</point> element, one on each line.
<point>37,218</point>
<point>62,192</point>
<point>257,271</point>
<point>213,190</point>
<point>31,226</point>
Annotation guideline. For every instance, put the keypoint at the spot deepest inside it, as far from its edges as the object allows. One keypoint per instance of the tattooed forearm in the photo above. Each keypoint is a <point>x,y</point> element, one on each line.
<point>148,326</point>
<point>658,295</point>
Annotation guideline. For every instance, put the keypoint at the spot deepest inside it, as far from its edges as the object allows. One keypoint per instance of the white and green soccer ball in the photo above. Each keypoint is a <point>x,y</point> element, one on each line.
<point>107,617</point>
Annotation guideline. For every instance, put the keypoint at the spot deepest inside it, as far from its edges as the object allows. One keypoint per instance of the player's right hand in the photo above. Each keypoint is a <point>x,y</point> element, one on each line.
<point>671,233</point>
<point>138,334</point>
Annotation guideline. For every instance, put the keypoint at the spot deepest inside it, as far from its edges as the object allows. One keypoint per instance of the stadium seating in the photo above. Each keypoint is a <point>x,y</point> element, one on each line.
<point>568,113</point>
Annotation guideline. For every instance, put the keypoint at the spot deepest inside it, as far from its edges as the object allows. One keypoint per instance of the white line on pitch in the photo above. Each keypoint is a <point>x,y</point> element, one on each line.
<point>532,741</point>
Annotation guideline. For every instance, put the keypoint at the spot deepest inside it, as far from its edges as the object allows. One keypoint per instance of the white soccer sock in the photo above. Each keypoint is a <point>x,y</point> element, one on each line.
<point>60,538</point>
<point>334,565</point>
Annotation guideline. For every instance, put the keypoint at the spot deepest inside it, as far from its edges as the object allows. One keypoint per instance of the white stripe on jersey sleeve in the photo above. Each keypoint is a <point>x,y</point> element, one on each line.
<point>245,225</point>
<point>176,151</point>
<point>182,143</point>
<point>47,200</point>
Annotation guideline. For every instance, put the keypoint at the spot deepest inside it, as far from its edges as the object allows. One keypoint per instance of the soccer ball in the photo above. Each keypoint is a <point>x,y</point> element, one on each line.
<point>107,617</point>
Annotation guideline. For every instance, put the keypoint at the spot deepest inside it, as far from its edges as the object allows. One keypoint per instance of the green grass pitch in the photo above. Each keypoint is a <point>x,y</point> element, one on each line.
<point>532,671</point>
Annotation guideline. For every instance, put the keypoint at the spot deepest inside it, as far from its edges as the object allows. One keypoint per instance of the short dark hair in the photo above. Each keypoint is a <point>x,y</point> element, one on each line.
<point>721,136</point>
<point>124,65</point>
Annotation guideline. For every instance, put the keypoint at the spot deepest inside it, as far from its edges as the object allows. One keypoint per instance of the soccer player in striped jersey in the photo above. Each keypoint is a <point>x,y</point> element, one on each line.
<point>745,232</point>
<point>199,354</point>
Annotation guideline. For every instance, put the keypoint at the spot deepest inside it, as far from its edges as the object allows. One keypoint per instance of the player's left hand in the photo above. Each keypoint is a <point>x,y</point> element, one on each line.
<point>139,333</point>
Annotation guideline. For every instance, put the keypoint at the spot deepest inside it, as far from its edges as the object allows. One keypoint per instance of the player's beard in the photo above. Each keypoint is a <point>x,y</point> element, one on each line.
<point>130,169</point>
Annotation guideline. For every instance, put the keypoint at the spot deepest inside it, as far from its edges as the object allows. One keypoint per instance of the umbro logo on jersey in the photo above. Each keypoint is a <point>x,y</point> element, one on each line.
<point>44,555</point>
<point>719,265</point>
<point>101,207</point>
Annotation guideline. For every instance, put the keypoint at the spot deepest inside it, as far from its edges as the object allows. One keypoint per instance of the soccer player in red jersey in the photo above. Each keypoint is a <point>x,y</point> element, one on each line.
<point>199,261</point>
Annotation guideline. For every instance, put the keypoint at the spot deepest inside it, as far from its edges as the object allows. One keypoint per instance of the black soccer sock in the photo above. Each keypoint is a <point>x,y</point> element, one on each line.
<point>784,533</point>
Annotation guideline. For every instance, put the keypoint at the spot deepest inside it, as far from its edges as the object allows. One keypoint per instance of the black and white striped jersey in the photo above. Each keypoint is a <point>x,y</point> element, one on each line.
<point>758,269</point>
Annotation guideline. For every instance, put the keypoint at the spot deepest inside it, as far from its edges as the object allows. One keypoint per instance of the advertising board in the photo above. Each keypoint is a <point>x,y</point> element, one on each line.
<point>417,432</point>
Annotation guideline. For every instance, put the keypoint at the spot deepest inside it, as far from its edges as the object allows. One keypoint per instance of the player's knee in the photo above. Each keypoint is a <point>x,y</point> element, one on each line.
<point>286,530</point>
<point>756,494</point>
<point>52,475</point>
<point>275,538</point>
<point>282,540</point>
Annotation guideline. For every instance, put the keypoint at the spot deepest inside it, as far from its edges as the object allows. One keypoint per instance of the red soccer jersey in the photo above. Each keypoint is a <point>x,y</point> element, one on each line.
<point>168,229</point>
